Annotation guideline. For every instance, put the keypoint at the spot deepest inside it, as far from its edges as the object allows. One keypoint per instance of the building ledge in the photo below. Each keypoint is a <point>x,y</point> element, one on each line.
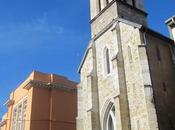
<point>2,123</point>
<point>44,80</point>
<point>34,83</point>
<point>9,103</point>
<point>171,22</point>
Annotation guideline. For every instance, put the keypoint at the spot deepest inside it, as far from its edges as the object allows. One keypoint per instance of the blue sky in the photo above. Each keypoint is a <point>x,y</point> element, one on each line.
<point>51,36</point>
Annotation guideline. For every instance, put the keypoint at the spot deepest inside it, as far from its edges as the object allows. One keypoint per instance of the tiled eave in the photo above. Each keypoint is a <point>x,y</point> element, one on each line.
<point>33,83</point>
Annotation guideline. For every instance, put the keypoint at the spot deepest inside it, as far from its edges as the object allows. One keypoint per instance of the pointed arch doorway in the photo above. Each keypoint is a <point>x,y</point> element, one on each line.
<point>110,118</point>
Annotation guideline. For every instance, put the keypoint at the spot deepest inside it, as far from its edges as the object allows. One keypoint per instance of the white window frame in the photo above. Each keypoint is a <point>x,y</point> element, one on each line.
<point>18,122</point>
<point>24,114</point>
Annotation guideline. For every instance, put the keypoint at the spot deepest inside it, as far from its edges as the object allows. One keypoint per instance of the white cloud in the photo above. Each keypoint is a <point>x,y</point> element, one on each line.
<point>27,35</point>
<point>41,24</point>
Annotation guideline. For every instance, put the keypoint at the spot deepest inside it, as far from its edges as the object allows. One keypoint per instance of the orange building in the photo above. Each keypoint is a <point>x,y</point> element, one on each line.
<point>42,102</point>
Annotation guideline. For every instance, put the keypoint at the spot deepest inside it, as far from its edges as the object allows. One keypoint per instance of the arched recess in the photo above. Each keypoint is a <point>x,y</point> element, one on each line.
<point>130,54</point>
<point>109,121</point>
<point>107,68</point>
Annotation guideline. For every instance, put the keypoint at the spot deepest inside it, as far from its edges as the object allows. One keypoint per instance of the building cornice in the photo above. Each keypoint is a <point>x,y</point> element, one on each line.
<point>9,103</point>
<point>171,22</point>
<point>34,83</point>
<point>2,123</point>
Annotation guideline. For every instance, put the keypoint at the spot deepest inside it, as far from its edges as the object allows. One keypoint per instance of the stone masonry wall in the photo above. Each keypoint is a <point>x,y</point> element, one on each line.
<point>108,84</point>
<point>130,14</point>
<point>130,39</point>
<point>104,19</point>
<point>163,79</point>
<point>83,122</point>
<point>148,87</point>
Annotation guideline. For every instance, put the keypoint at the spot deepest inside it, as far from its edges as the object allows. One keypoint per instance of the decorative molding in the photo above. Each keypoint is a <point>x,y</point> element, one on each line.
<point>4,122</point>
<point>142,45</point>
<point>115,57</point>
<point>170,22</point>
<point>84,57</point>
<point>33,83</point>
<point>148,86</point>
<point>9,103</point>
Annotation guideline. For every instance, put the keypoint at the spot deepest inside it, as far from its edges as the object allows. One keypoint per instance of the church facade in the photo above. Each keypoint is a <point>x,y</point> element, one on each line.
<point>127,74</point>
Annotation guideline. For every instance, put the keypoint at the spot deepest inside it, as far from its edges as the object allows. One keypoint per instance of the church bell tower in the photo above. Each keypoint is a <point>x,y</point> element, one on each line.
<point>105,11</point>
<point>111,92</point>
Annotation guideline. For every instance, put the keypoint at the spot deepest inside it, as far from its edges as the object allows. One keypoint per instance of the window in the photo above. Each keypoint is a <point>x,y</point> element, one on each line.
<point>99,5</point>
<point>171,123</point>
<point>106,61</point>
<point>164,87</point>
<point>14,119</point>
<point>133,3</point>
<point>172,48</point>
<point>19,119</point>
<point>110,120</point>
<point>19,116</point>
<point>158,53</point>
<point>24,114</point>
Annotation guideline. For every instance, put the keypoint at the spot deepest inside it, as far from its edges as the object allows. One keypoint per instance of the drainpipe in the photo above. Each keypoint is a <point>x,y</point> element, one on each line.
<point>51,109</point>
<point>51,102</point>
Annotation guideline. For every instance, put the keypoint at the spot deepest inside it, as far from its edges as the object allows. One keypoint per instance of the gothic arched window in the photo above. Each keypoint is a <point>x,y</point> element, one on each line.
<point>106,61</point>
<point>110,120</point>
<point>99,5</point>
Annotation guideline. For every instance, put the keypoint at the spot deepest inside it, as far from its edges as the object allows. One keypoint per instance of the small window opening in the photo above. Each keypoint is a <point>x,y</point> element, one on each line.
<point>158,53</point>
<point>99,5</point>
<point>171,123</point>
<point>164,87</point>
<point>133,3</point>
<point>107,61</point>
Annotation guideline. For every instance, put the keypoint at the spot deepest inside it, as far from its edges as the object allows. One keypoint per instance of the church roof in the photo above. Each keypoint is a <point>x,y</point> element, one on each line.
<point>136,25</point>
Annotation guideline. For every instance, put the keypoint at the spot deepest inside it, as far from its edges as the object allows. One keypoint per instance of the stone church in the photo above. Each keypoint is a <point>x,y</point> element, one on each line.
<point>127,72</point>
